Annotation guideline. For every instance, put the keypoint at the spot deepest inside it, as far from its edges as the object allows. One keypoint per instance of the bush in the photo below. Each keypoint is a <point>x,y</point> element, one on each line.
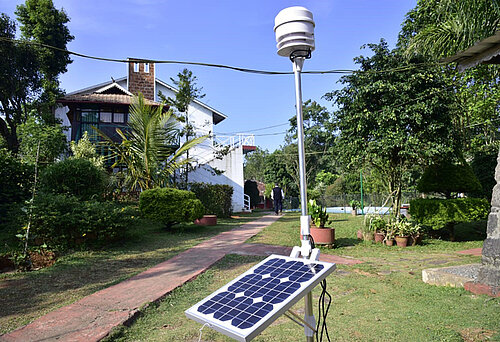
<point>74,177</point>
<point>483,165</point>
<point>439,213</point>
<point>62,221</point>
<point>216,198</point>
<point>15,179</point>
<point>170,206</point>
<point>446,178</point>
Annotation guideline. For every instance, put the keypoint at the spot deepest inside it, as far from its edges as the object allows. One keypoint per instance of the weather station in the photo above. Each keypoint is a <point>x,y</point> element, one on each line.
<point>247,305</point>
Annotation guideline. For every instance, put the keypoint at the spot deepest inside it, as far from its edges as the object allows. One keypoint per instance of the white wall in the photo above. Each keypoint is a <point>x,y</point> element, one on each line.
<point>60,113</point>
<point>232,165</point>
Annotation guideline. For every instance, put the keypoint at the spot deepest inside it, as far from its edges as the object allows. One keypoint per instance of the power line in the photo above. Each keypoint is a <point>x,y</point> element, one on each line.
<point>253,130</point>
<point>213,65</point>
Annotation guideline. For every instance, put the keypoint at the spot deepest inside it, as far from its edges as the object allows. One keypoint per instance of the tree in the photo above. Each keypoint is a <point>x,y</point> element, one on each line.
<point>50,138</point>
<point>392,117</point>
<point>447,178</point>
<point>187,92</point>
<point>147,149</point>
<point>29,70</point>
<point>440,28</point>
<point>251,189</point>
<point>255,163</point>
<point>85,149</point>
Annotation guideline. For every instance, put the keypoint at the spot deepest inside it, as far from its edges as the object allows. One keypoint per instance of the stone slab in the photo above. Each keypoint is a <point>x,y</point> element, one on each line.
<point>454,276</point>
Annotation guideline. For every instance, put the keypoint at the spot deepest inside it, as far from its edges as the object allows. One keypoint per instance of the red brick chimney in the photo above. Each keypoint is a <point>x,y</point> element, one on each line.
<point>141,78</point>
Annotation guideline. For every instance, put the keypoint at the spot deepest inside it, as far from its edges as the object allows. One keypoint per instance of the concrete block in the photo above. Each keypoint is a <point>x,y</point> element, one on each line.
<point>454,276</point>
<point>493,228</point>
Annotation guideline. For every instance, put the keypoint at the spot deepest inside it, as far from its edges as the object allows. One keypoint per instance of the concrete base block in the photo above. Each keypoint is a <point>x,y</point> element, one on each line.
<point>454,276</point>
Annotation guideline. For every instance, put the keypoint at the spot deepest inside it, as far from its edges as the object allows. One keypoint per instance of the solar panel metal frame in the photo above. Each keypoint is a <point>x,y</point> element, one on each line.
<point>248,334</point>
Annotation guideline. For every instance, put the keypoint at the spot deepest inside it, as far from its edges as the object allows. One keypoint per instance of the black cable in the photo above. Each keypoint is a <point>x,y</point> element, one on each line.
<point>323,313</point>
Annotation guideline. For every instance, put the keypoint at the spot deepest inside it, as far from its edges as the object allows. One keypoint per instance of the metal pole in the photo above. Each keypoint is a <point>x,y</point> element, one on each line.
<point>298,62</point>
<point>361,181</point>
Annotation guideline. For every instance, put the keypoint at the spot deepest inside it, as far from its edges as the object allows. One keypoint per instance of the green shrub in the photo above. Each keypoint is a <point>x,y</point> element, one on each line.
<point>74,177</point>
<point>440,213</point>
<point>216,198</point>
<point>170,206</point>
<point>62,221</point>
<point>446,178</point>
<point>483,164</point>
<point>15,179</point>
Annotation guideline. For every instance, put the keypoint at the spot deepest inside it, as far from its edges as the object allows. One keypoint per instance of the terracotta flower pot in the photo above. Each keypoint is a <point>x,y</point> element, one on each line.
<point>389,242</point>
<point>207,220</point>
<point>322,236</point>
<point>368,236</point>
<point>354,212</point>
<point>402,241</point>
<point>359,234</point>
<point>379,237</point>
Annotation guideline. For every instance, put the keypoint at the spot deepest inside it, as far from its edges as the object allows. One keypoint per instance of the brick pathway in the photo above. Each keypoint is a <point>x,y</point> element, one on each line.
<point>93,317</point>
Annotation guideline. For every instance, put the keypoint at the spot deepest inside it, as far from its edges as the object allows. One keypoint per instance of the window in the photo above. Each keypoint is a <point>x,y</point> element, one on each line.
<point>146,67</point>
<point>106,116</point>
<point>136,67</point>
<point>119,117</point>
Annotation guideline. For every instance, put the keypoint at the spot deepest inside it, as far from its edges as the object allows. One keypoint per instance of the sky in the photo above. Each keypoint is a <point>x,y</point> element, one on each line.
<point>231,32</point>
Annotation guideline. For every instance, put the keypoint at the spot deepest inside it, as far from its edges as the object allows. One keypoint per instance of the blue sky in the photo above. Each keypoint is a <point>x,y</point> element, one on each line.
<point>231,32</point>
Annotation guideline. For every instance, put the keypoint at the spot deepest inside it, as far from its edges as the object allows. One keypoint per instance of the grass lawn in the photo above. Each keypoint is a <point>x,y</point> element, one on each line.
<point>382,299</point>
<point>27,296</point>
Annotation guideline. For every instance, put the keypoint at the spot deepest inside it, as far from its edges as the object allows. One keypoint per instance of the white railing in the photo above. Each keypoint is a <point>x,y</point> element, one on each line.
<point>234,141</point>
<point>246,202</point>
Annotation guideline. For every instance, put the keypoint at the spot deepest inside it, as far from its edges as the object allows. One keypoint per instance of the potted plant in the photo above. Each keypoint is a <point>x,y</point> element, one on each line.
<point>379,228</point>
<point>354,205</point>
<point>319,217</point>
<point>415,233</point>
<point>403,229</point>
<point>368,229</point>
<point>389,235</point>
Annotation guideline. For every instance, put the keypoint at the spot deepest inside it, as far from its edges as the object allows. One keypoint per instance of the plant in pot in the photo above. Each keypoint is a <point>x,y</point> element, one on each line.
<point>319,217</point>
<point>390,234</point>
<point>415,233</point>
<point>403,230</point>
<point>354,205</point>
<point>368,229</point>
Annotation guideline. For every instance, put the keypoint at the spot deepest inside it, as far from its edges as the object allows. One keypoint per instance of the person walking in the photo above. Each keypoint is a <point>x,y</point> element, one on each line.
<point>277,196</point>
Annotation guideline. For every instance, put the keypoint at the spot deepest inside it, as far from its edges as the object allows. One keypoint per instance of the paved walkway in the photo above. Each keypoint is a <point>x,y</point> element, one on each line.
<point>93,317</point>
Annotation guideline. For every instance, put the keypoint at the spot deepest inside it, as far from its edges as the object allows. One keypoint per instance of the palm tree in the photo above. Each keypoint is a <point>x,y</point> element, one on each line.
<point>147,150</point>
<point>439,28</point>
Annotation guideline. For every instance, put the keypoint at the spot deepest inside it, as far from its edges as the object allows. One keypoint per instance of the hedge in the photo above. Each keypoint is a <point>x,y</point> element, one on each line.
<point>63,221</point>
<point>216,198</point>
<point>170,206</point>
<point>439,213</point>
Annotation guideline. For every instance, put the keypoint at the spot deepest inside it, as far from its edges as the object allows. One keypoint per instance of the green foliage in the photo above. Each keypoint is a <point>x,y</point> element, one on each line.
<point>216,198</point>
<point>16,179</point>
<point>146,150</point>
<point>439,213</point>
<point>255,164</point>
<point>447,178</point>
<point>85,149</point>
<point>392,120</point>
<point>74,177</point>
<point>50,137</point>
<point>355,204</point>
<point>61,221</point>
<point>443,27</point>
<point>484,164</point>
<point>170,206</point>
<point>30,71</point>
<point>278,170</point>
<point>319,216</point>
<point>252,190</point>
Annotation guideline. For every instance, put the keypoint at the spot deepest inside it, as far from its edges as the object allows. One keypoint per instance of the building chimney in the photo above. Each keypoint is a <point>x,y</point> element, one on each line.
<point>141,78</point>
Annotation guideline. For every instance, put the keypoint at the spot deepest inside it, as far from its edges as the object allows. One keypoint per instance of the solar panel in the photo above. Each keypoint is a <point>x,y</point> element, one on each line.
<point>247,305</point>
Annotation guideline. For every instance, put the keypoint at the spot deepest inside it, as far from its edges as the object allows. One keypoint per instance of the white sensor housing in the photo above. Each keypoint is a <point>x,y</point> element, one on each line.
<point>294,29</point>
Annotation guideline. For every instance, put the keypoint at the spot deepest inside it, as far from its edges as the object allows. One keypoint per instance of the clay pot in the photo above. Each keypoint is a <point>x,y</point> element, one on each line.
<point>359,234</point>
<point>402,241</point>
<point>354,212</point>
<point>379,237</point>
<point>368,236</point>
<point>207,220</point>
<point>389,242</point>
<point>322,236</point>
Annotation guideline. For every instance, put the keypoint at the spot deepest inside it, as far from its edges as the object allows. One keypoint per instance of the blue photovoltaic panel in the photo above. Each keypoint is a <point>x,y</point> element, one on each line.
<point>248,304</point>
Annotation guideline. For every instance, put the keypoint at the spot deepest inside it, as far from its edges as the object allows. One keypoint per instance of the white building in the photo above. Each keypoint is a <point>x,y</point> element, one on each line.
<point>106,106</point>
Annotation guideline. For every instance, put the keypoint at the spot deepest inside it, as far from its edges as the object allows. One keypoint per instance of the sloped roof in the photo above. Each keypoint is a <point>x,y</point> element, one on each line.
<point>485,51</point>
<point>103,98</point>
<point>74,96</point>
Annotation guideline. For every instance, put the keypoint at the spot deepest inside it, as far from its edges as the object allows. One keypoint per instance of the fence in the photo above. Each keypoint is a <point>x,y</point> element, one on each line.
<point>369,200</point>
